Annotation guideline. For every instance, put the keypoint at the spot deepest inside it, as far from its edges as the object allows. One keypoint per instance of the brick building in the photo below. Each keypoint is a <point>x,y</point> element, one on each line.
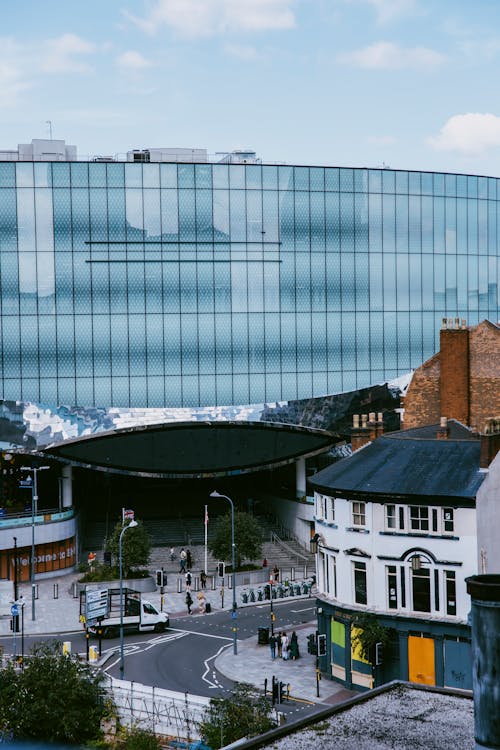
<point>461,381</point>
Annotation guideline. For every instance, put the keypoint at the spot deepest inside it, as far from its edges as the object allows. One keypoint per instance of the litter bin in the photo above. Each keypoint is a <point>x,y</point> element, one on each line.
<point>263,636</point>
<point>208,607</point>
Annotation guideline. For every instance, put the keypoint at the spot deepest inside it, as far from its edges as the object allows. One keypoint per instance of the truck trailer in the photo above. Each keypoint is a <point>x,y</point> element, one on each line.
<point>100,612</point>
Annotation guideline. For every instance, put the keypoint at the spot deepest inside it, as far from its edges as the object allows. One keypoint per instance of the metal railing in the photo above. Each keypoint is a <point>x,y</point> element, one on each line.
<point>275,539</point>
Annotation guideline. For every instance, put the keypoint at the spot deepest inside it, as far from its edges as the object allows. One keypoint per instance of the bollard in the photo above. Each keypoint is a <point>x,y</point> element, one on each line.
<point>292,574</point>
<point>179,585</point>
<point>66,648</point>
<point>213,585</point>
<point>34,587</point>
<point>75,590</point>
<point>485,622</point>
<point>229,582</point>
<point>56,591</point>
<point>196,584</point>
<point>92,654</point>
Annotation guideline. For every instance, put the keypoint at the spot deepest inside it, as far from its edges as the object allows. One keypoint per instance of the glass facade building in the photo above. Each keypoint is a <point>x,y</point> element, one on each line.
<point>186,285</point>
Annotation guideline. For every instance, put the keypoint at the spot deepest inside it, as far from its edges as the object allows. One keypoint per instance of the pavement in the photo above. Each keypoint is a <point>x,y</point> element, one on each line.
<point>57,610</point>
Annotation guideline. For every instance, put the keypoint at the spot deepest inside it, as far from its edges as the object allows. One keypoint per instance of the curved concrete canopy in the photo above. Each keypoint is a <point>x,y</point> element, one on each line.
<point>193,449</point>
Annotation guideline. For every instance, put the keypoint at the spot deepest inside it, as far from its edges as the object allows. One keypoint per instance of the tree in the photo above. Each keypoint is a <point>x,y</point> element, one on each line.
<point>370,632</point>
<point>56,698</point>
<point>136,546</point>
<point>247,538</point>
<point>245,713</point>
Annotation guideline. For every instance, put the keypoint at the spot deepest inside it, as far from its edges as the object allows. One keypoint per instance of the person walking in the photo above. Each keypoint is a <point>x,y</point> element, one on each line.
<point>272,646</point>
<point>279,643</point>
<point>203,579</point>
<point>189,559</point>
<point>294,646</point>
<point>183,561</point>
<point>285,646</point>
<point>172,554</point>
<point>201,602</point>
<point>188,581</point>
<point>189,601</point>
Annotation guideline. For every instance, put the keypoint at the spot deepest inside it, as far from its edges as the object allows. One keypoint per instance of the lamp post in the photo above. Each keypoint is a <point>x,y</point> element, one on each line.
<point>34,507</point>
<point>122,660</point>
<point>233,566</point>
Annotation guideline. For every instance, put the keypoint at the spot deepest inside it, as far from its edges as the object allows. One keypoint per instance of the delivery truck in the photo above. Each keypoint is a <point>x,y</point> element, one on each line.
<point>100,612</point>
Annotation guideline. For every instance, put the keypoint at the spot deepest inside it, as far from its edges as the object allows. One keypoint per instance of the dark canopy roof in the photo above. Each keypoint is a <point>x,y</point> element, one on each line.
<point>401,465</point>
<point>193,449</point>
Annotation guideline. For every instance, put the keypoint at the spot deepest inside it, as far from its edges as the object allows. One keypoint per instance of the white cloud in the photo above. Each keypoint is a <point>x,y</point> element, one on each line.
<point>61,54</point>
<point>472,134</point>
<point>199,18</point>
<point>132,60</point>
<point>390,56</point>
<point>389,10</point>
<point>242,51</point>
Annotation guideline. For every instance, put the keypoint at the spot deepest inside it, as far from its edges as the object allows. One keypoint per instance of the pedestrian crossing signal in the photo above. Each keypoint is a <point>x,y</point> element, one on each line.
<point>160,578</point>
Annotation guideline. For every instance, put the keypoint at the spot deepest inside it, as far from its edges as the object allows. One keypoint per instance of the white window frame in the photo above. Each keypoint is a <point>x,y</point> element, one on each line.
<point>358,511</point>
<point>361,567</point>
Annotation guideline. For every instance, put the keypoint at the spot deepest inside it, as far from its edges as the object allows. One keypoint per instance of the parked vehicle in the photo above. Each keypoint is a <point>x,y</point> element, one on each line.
<point>100,612</point>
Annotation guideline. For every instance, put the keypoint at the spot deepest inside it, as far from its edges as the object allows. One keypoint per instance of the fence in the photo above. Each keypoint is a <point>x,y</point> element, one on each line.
<point>163,712</point>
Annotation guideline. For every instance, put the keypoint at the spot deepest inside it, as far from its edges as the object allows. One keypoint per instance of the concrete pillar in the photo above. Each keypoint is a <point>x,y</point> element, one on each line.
<point>67,486</point>
<point>300,478</point>
<point>485,594</point>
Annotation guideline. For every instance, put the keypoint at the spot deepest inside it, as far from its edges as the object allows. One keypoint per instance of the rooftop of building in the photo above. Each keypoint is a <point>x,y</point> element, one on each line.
<point>399,715</point>
<point>414,463</point>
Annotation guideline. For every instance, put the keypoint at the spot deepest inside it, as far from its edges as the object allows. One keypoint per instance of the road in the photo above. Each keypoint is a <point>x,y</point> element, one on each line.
<point>182,658</point>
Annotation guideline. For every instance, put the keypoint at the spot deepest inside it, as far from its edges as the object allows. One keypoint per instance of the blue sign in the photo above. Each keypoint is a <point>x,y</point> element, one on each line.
<point>14,610</point>
<point>233,615</point>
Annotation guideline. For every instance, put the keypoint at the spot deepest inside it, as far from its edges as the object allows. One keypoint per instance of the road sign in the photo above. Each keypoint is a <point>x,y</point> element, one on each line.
<point>233,615</point>
<point>96,604</point>
<point>14,610</point>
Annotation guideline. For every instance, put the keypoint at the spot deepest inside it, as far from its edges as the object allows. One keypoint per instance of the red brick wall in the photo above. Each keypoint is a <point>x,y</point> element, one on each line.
<point>422,402</point>
<point>461,382</point>
<point>454,376</point>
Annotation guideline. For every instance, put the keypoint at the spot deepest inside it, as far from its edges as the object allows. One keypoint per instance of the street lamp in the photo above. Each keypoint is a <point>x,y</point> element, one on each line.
<point>34,507</point>
<point>122,661</point>
<point>233,566</point>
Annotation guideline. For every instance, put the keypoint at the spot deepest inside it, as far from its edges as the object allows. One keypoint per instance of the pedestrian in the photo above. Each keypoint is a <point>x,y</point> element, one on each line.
<point>272,646</point>
<point>285,646</point>
<point>183,561</point>
<point>279,643</point>
<point>264,563</point>
<point>201,602</point>
<point>294,646</point>
<point>276,573</point>
<point>203,579</point>
<point>189,601</point>
<point>188,581</point>
<point>189,559</point>
<point>172,554</point>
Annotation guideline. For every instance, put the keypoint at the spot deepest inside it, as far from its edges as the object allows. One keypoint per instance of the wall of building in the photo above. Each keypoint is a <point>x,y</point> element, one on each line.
<point>296,517</point>
<point>462,381</point>
<point>186,285</point>
<point>488,520</point>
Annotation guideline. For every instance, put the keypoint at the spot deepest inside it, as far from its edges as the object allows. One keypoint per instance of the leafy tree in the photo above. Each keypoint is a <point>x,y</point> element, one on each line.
<point>56,698</point>
<point>247,538</point>
<point>136,546</point>
<point>141,739</point>
<point>245,713</point>
<point>370,632</point>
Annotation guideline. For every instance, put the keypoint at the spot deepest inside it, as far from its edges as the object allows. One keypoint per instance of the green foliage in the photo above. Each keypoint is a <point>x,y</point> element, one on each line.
<point>56,698</point>
<point>247,538</point>
<point>245,713</point>
<point>371,632</point>
<point>136,546</point>
<point>111,573</point>
<point>140,739</point>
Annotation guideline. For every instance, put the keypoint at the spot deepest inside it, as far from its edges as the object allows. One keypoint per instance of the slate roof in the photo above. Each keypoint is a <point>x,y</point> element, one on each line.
<point>409,463</point>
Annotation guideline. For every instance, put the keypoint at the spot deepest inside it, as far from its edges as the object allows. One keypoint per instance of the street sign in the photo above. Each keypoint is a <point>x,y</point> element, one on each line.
<point>233,615</point>
<point>96,604</point>
<point>14,610</point>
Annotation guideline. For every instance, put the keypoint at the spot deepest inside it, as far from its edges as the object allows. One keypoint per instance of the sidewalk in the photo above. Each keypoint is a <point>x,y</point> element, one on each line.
<point>57,610</point>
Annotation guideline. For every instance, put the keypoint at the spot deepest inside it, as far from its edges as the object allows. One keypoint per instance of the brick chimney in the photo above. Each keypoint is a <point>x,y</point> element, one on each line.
<point>443,431</point>
<point>361,434</point>
<point>454,366</point>
<point>490,442</point>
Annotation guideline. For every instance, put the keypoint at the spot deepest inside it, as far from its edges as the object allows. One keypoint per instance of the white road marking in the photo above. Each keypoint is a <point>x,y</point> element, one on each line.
<point>215,683</point>
<point>307,609</point>
<point>205,635</point>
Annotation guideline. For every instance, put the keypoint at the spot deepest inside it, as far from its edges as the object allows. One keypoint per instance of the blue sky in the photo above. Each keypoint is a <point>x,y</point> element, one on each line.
<point>412,84</point>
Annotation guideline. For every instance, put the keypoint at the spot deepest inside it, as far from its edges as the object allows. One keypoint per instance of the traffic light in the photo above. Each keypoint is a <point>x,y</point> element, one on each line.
<point>379,654</point>
<point>312,646</point>
<point>322,645</point>
<point>161,578</point>
<point>220,569</point>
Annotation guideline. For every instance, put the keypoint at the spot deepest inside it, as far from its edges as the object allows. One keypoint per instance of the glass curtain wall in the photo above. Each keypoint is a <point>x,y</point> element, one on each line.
<point>187,285</point>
